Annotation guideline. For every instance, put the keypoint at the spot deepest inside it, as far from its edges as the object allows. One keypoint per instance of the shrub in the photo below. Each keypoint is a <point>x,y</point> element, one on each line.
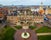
<point>32,27</point>
<point>18,27</point>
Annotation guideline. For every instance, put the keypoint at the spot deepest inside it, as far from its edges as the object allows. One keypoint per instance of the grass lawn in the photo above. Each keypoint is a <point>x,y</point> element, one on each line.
<point>9,33</point>
<point>48,37</point>
<point>44,30</point>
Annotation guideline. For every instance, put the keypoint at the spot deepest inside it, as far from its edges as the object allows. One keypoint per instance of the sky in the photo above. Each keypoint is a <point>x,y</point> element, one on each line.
<point>25,2</point>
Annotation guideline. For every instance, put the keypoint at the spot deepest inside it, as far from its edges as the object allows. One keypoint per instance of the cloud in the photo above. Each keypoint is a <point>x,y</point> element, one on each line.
<point>25,2</point>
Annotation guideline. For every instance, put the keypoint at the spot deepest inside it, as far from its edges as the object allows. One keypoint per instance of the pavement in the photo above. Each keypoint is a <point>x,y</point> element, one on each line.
<point>42,34</point>
<point>13,27</point>
<point>47,23</point>
<point>2,26</point>
<point>18,33</point>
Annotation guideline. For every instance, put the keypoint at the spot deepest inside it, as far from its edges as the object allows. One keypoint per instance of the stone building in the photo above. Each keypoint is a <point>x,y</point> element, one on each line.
<point>13,20</point>
<point>49,10</point>
<point>38,19</point>
<point>3,13</point>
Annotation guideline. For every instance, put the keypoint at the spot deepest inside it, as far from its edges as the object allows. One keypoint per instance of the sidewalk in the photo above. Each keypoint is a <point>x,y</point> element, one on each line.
<point>42,34</point>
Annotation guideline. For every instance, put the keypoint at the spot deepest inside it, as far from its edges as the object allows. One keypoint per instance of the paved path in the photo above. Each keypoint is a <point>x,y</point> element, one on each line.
<point>18,33</point>
<point>13,27</point>
<point>41,34</point>
<point>47,23</point>
<point>2,26</point>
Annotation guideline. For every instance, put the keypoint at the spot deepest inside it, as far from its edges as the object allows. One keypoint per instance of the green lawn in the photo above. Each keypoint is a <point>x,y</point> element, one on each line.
<point>48,37</point>
<point>9,33</point>
<point>44,30</point>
